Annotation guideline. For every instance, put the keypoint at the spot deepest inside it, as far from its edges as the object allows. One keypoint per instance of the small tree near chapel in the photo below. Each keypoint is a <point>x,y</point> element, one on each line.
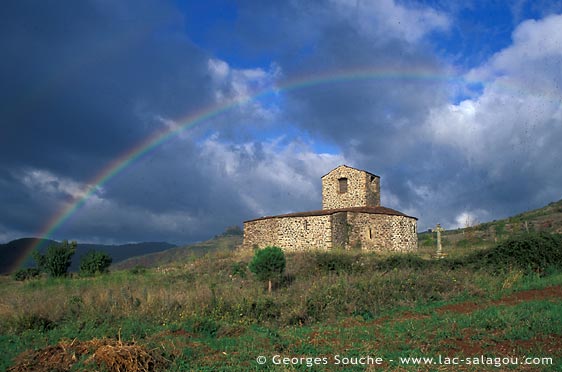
<point>268,264</point>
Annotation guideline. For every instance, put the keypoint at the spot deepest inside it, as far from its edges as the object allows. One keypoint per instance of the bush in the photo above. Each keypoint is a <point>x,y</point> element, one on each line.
<point>203,326</point>
<point>26,322</point>
<point>238,269</point>
<point>25,274</point>
<point>403,261</point>
<point>268,264</point>
<point>57,259</point>
<point>335,262</point>
<point>95,262</point>
<point>138,270</point>
<point>259,310</point>
<point>530,252</point>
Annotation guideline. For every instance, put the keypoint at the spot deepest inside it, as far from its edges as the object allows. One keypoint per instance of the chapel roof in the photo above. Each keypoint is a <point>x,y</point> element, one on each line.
<point>347,166</point>
<point>324,212</point>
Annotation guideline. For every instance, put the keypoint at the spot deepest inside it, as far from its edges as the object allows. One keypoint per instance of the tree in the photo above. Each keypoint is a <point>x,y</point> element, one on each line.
<point>95,262</point>
<point>57,259</point>
<point>25,274</point>
<point>268,264</point>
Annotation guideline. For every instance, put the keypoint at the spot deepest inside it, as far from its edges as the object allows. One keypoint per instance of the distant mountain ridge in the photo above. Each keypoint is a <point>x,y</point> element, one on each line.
<point>12,251</point>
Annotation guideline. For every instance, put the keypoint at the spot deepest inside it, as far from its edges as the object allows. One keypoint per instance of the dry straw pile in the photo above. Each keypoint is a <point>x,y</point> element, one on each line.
<point>111,355</point>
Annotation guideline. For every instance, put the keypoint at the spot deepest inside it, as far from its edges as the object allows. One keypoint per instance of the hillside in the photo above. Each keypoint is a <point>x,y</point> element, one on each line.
<point>545,219</point>
<point>327,310</point>
<point>224,242</point>
<point>548,219</point>
<point>212,313</point>
<point>11,252</point>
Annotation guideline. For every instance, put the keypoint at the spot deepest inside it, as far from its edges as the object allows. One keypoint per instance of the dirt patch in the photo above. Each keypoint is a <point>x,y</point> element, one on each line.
<point>554,292</point>
<point>182,333</point>
<point>545,344</point>
<point>108,354</point>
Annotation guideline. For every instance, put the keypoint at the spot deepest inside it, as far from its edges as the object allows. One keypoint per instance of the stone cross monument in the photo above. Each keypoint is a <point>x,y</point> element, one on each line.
<point>438,229</point>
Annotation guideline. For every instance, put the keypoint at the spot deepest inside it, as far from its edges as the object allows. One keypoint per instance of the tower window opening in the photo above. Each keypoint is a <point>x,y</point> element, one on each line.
<point>342,182</point>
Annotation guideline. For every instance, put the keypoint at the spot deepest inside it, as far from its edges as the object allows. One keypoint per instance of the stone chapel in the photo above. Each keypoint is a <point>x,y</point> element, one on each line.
<point>351,218</point>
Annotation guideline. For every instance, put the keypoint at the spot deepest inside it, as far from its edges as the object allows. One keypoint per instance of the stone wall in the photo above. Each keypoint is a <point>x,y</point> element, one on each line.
<point>373,190</point>
<point>260,233</point>
<point>289,233</point>
<point>363,189</point>
<point>340,230</point>
<point>305,233</point>
<point>349,230</point>
<point>383,233</point>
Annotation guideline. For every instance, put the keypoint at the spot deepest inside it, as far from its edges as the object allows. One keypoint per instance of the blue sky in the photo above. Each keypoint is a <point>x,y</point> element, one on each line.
<point>456,105</point>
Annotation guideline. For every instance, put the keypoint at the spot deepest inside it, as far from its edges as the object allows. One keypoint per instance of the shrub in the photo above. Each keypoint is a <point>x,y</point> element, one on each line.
<point>26,322</point>
<point>403,261</point>
<point>25,274</point>
<point>335,262</point>
<point>238,268</point>
<point>203,326</point>
<point>530,252</point>
<point>427,240</point>
<point>259,310</point>
<point>268,264</point>
<point>138,270</point>
<point>57,259</point>
<point>95,262</point>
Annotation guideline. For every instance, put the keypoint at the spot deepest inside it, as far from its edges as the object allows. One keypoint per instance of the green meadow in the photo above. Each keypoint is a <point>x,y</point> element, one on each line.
<point>478,309</point>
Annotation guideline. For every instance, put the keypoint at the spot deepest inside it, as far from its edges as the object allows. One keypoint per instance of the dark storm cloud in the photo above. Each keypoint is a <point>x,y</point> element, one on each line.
<point>83,82</point>
<point>87,81</point>
<point>82,79</point>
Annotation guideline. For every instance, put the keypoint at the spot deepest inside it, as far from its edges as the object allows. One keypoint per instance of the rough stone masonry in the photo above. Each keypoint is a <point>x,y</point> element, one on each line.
<point>351,218</point>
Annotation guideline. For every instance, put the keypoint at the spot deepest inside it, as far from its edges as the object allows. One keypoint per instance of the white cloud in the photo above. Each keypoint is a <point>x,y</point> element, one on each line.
<point>469,219</point>
<point>242,87</point>
<point>386,18</point>
<point>517,117</point>
<point>46,184</point>
<point>532,65</point>
<point>237,85</point>
<point>265,174</point>
<point>534,41</point>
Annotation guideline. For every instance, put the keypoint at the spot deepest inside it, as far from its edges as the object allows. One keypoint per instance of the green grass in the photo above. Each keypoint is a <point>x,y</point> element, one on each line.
<point>212,314</point>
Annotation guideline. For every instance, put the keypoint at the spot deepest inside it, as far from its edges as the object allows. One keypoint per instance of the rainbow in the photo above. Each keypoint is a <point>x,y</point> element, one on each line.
<point>154,141</point>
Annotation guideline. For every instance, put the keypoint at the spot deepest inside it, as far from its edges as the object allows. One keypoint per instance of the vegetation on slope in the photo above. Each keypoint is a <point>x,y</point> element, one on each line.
<point>547,219</point>
<point>227,241</point>
<point>211,313</point>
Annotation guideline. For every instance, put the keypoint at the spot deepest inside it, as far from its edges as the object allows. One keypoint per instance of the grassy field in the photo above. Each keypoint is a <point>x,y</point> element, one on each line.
<point>344,308</point>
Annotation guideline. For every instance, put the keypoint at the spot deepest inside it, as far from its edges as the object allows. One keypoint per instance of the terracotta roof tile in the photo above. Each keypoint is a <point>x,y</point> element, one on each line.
<point>324,212</point>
